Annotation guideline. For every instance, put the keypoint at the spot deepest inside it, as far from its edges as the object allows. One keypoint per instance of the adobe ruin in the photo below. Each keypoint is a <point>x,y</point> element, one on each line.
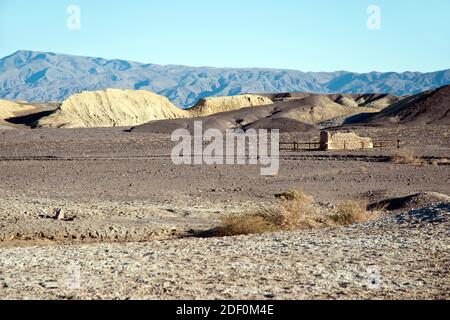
<point>344,141</point>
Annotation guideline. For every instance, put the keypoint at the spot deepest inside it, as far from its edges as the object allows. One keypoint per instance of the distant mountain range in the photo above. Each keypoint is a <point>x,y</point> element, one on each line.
<point>42,77</point>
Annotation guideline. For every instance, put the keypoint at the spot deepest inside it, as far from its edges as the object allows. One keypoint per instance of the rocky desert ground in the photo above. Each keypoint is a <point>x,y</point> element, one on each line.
<point>243,155</point>
<point>104,213</point>
<point>132,220</point>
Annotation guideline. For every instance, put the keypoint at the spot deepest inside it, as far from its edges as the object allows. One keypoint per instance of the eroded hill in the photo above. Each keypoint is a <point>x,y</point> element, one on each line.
<point>428,108</point>
<point>288,113</point>
<point>111,108</point>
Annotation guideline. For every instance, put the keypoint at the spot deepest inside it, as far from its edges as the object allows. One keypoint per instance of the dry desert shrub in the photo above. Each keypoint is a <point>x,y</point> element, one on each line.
<point>295,196</point>
<point>364,169</point>
<point>437,162</point>
<point>292,214</point>
<point>405,156</point>
<point>298,213</point>
<point>240,224</point>
<point>350,212</point>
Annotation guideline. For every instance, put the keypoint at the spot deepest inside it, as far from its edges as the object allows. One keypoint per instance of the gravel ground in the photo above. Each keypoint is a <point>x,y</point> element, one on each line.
<point>132,209</point>
<point>398,257</point>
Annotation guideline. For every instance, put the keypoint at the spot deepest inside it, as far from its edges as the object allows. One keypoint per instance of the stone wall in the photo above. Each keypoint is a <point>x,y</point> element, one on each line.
<point>343,141</point>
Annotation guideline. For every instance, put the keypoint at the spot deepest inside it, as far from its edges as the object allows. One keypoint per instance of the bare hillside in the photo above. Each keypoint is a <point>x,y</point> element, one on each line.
<point>298,113</point>
<point>111,108</point>
<point>209,106</point>
<point>430,107</point>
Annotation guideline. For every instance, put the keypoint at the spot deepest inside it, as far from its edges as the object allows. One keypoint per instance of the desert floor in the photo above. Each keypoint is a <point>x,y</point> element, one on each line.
<point>134,212</point>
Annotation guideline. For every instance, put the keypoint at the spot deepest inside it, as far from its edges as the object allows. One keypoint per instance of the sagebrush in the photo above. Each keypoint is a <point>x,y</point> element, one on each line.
<point>295,211</point>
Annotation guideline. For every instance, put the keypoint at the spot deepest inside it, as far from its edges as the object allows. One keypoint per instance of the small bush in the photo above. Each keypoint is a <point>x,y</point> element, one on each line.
<point>364,169</point>
<point>350,212</point>
<point>292,214</point>
<point>405,156</point>
<point>301,213</point>
<point>241,224</point>
<point>295,196</point>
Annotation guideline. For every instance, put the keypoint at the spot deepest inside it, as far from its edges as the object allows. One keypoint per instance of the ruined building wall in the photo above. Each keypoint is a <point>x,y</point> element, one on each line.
<point>344,141</point>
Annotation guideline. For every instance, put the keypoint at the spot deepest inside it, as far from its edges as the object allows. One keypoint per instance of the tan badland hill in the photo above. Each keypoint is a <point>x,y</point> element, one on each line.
<point>115,108</point>
<point>376,101</point>
<point>111,108</point>
<point>287,115</point>
<point>213,105</point>
<point>10,109</point>
<point>317,108</point>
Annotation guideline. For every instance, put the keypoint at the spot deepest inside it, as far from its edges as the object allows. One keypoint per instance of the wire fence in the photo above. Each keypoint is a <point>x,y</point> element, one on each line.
<point>317,146</point>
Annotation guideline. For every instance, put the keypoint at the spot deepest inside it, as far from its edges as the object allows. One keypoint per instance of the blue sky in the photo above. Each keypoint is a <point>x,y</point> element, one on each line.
<point>315,35</point>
